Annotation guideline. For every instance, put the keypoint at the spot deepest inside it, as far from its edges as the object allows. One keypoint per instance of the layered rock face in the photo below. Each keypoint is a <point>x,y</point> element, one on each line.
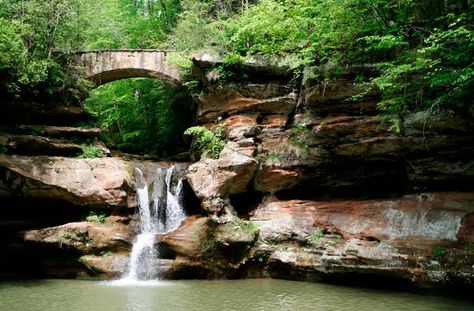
<point>311,185</point>
<point>55,202</point>
<point>334,193</point>
<point>98,182</point>
<point>423,238</point>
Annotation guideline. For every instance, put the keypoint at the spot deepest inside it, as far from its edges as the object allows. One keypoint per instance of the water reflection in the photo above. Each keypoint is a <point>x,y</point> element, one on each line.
<point>248,295</point>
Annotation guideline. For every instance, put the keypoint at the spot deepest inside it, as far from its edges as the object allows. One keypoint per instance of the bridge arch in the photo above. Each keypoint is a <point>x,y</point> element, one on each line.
<point>110,65</point>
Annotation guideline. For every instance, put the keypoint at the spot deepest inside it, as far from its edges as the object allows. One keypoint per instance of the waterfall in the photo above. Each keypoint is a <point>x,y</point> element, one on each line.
<point>163,215</point>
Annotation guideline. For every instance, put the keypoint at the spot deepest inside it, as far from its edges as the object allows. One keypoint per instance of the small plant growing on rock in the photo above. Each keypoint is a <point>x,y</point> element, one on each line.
<point>70,237</point>
<point>246,225</point>
<point>470,248</point>
<point>91,151</point>
<point>316,235</point>
<point>106,253</point>
<point>438,253</point>
<point>211,142</point>
<point>298,137</point>
<point>99,218</point>
<point>209,245</point>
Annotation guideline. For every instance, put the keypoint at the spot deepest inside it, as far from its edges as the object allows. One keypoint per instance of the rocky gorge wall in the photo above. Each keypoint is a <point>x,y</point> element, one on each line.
<point>309,186</point>
<point>326,191</point>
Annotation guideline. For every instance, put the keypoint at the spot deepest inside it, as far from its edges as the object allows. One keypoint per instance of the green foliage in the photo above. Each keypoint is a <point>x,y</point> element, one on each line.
<point>422,48</point>
<point>209,244</point>
<point>297,137</point>
<point>129,24</point>
<point>91,151</point>
<point>299,130</point>
<point>106,253</point>
<point>470,248</point>
<point>35,37</point>
<point>316,236</point>
<point>99,218</point>
<point>435,71</point>
<point>211,142</point>
<point>14,58</point>
<point>141,115</point>
<point>246,225</point>
<point>273,156</point>
<point>233,59</point>
<point>438,253</point>
<point>271,27</point>
<point>194,32</point>
<point>181,60</point>
<point>70,237</point>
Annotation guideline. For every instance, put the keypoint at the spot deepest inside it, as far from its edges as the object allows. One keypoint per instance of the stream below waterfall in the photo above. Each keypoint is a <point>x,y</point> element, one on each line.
<point>236,295</point>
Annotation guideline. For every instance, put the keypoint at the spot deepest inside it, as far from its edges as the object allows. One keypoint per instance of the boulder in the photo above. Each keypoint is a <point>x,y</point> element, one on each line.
<point>85,237</point>
<point>108,265</point>
<point>215,180</point>
<point>187,239</point>
<point>100,182</point>
<point>202,248</point>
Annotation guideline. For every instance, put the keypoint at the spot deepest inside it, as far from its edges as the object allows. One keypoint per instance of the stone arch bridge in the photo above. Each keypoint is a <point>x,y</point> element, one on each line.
<point>110,65</point>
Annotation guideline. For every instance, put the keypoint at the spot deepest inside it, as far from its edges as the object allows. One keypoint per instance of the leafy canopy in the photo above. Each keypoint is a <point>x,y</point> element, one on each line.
<point>142,115</point>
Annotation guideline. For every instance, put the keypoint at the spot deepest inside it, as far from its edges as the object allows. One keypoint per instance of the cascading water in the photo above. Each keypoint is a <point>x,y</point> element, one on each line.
<point>165,214</point>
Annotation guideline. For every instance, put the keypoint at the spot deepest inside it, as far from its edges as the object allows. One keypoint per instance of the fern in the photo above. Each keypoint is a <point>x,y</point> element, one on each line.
<point>210,142</point>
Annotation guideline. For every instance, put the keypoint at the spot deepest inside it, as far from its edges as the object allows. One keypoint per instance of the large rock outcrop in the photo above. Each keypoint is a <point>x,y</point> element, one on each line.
<point>214,181</point>
<point>423,239</point>
<point>81,248</point>
<point>203,248</point>
<point>342,195</point>
<point>311,185</point>
<point>100,182</point>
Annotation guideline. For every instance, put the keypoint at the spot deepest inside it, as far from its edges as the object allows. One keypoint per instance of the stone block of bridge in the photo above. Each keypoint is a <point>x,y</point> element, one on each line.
<point>110,65</point>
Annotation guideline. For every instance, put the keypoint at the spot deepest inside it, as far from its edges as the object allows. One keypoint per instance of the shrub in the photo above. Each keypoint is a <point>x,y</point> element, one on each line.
<point>210,142</point>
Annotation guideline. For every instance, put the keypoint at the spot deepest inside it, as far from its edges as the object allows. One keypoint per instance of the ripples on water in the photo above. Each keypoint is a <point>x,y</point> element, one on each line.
<point>245,295</point>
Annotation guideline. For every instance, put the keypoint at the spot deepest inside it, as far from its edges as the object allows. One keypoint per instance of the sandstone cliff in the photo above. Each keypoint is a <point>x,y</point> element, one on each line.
<point>311,185</point>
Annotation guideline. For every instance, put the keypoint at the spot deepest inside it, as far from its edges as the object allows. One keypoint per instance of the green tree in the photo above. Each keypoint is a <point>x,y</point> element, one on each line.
<point>142,115</point>
<point>37,38</point>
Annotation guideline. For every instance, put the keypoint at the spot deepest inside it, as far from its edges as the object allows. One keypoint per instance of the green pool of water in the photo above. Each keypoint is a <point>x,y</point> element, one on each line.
<point>248,295</point>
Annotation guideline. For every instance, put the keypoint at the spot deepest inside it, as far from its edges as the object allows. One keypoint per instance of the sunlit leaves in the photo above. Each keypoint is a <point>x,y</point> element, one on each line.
<point>141,115</point>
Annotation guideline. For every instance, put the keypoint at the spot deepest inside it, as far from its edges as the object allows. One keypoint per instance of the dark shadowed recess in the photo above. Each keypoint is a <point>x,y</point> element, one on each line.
<point>19,259</point>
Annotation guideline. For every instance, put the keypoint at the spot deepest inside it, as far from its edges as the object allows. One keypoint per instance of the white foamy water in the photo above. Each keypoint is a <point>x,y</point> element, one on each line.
<point>164,214</point>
